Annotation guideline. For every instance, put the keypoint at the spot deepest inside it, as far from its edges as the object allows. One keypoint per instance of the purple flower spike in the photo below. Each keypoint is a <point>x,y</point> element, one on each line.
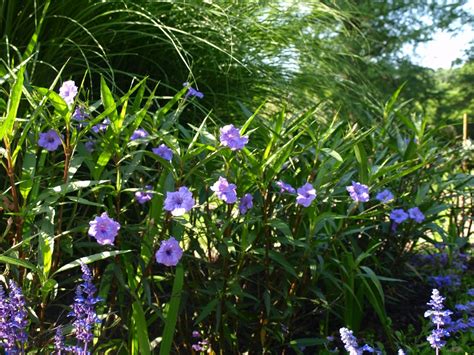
<point>142,196</point>
<point>193,92</point>
<point>358,192</point>
<point>104,229</point>
<point>349,341</point>
<point>384,196</point>
<point>416,214</point>
<point>139,134</point>
<point>83,310</point>
<point>68,91</point>
<point>284,187</point>
<point>49,140</point>
<point>306,195</point>
<point>398,215</point>
<point>246,203</point>
<point>179,202</point>
<point>230,137</point>
<point>169,253</point>
<point>225,191</point>
<point>163,151</point>
<point>439,317</point>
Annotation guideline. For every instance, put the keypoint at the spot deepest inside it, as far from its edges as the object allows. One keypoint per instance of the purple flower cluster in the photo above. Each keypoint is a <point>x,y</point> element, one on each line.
<point>68,91</point>
<point>179,202</point>
<point>104,229</point>
<point>439,317</point>
<point>230,137</point>
<point>83,310</point>
<point>358,192</point>
<point>169,252</point>
<point>201,345</point>
<point>350,343</point>
<point>143,196</point>
<point>446,281</point>
<point>163,151</point>
<point>398,215</point>
<point>13,319</point>
<point>193,92</point>
<point>49,140</point>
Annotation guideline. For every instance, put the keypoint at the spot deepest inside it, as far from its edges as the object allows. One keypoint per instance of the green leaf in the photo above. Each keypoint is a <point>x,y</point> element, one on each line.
<point>90,259</point>
<point>46,242</point>
<point>206,311</point>
<point>141,328</point>
<point>172,316</point>
<point>14,261</point>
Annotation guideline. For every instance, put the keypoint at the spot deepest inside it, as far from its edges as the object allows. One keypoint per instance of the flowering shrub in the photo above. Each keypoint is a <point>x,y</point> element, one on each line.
<point>200,225</point>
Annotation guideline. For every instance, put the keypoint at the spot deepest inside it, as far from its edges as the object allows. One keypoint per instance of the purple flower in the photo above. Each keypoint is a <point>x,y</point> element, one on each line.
<point>230,137</point>
<point>143,196</point>
<point>367,348</point>
<point>470,292</point>
<point>246,203</point>
<point>284,187</point>
<point>164,152</point>
<point>49,140</point>
<point>169,253</point>
<point>384,196</point>
<point>349,341</point>
<point>104,229</point>
<point>401,352</point>
<point>193,92</point>
<point>79,114</point>
<point>90,144</point>
<point>59,340</point>
<point>416,214</point>
<point>100,127</point>
<point>448,281</point>
<point>83,309</point>
<point>306,195</point>
<point>179,202</point>
<point>439,317</point>
<point>398,215</point>
<point>68,91</point>
<point>196,334</point>
<point>139,134</point>
<point>225,191</point>
<point>358,192</point>
<point>13,319</point>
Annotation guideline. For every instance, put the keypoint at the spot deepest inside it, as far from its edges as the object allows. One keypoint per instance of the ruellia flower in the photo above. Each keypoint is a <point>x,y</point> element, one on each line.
<point>139,133</point>
<point>230,137</point>
<point>163,151</point>
<point>79,114</point>
<point>104,229</point>
<point>398,215</point>
<point>358,192</point>
<point>284,187</point>
<point>169,252</point>
<point>416,215</point>
<point>306,195</point>
<point>49,140</point>
<point>246,203</point>
<point>143,196</point>
<point>68,91</point>
<point>384,196</point>
<point>193,92</point>
<point>225,191</point>
<point>179,202</point>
